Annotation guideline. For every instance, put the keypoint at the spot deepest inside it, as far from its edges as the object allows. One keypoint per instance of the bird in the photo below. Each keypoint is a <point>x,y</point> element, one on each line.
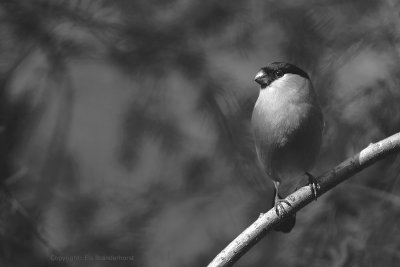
<point>287,124</point>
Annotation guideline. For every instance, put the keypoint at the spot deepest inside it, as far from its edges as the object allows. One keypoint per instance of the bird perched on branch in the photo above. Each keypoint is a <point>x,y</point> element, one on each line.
<point>287,125</point>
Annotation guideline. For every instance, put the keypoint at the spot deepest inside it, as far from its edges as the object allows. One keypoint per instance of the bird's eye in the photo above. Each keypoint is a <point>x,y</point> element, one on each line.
<point>278,73</point>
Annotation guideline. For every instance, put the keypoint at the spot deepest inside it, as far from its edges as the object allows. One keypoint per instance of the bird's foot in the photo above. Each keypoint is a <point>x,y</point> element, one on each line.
<point>279,208</point>
<point>314,184</point>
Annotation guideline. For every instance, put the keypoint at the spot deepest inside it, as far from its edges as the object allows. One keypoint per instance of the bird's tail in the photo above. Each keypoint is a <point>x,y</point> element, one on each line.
<point>288,223</point>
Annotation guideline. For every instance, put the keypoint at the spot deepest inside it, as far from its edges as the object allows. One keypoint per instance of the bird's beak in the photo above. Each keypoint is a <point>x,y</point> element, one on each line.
<point>260,77</point>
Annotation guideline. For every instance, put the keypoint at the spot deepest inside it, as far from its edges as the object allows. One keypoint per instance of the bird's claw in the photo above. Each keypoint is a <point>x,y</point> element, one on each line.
<point>314,184</point>
<point>279,206</point>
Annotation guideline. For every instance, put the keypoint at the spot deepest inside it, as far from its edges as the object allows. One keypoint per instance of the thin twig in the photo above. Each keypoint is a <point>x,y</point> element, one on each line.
<point>304,196</point>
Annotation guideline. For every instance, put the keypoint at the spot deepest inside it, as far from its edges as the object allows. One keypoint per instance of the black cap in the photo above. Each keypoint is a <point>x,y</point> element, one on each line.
<point>276,70</point>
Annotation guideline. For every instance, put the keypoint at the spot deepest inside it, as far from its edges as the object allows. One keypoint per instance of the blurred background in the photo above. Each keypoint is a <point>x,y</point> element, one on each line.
<point>124,130</point>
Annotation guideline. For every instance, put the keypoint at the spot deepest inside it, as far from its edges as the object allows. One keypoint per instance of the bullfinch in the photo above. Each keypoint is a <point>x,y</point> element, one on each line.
<point>287,125</point>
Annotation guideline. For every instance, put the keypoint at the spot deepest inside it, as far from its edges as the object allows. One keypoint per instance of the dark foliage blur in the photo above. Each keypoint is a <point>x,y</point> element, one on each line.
<point>124,130</point>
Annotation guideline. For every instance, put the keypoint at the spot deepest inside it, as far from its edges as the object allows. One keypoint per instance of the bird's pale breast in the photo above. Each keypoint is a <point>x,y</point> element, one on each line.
<point>287,128</point>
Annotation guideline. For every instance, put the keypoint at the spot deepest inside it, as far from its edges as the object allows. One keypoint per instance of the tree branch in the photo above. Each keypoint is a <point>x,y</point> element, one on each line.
<point>304,196</point>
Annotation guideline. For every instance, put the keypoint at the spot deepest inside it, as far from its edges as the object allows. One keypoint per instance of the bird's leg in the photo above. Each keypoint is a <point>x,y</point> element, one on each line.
<point>314,184</point>
<point>278,201</point>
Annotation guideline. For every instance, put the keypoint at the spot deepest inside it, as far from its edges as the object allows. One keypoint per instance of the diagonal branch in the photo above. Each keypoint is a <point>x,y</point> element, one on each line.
<point>303,196</point>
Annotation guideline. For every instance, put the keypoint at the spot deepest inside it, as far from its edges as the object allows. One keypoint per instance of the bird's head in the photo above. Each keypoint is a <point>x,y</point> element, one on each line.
<point>275,71</point>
